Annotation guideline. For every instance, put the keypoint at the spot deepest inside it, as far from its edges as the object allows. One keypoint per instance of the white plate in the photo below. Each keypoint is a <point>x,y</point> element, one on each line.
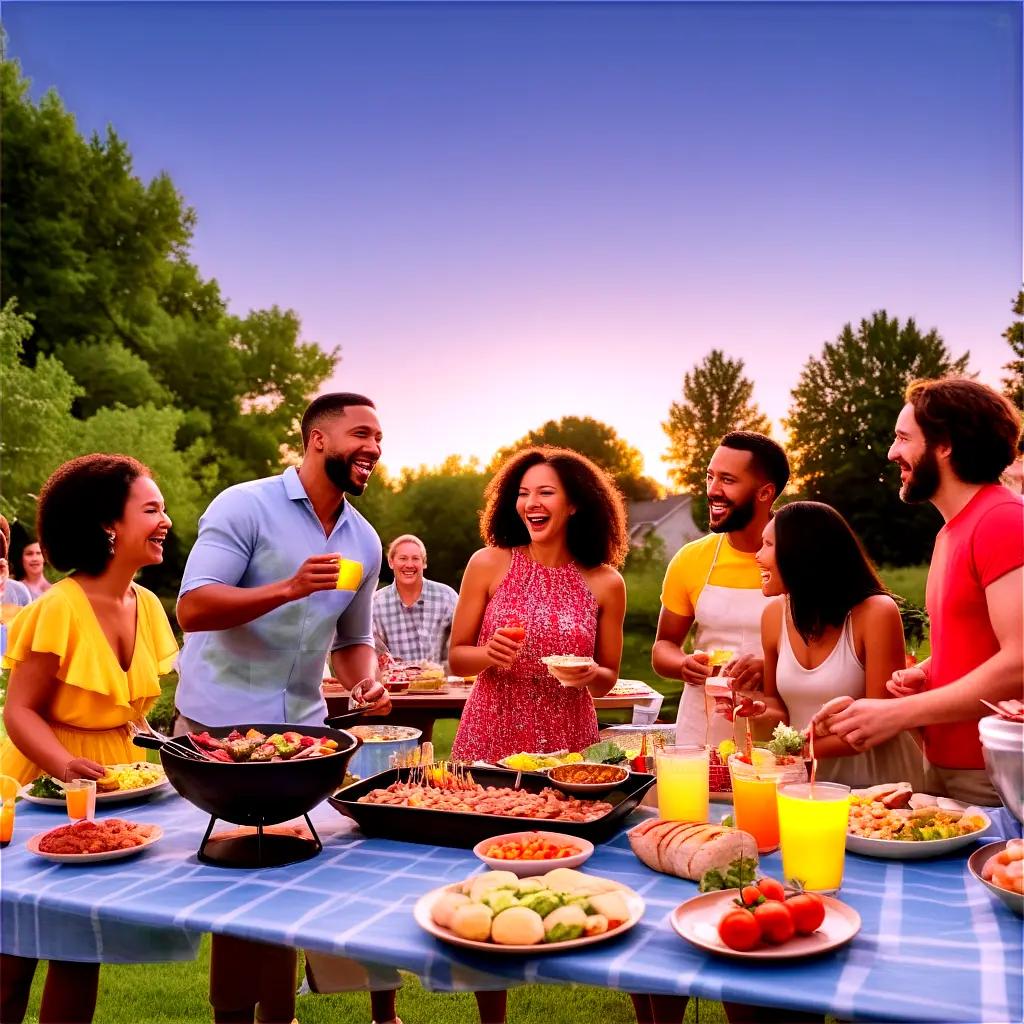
<point>566,661</point>
<point>899,849</point>
<point>91,858</point>
<point>116,796</point>
<point>697,920</point>
<point>421,914</point>
<point>528,868</point>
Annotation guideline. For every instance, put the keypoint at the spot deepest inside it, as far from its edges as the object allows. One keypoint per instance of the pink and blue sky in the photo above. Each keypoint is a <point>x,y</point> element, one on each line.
<point>506,213</point>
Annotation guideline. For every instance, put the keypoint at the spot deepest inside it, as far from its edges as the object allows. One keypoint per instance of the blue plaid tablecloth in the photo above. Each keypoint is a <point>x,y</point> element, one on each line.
<point>934,946</point>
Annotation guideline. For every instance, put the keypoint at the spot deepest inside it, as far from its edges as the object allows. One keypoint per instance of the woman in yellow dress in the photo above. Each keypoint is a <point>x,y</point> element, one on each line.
<point>85,660</point>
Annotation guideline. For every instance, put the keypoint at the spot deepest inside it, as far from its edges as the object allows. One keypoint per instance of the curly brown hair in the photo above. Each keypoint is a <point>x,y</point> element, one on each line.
<point>596,534</point>
<point>981,426</point>
<point>76,505</point>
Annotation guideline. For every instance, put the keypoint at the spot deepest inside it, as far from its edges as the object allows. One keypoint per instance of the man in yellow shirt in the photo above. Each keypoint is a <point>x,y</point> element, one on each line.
<point>716,583</point>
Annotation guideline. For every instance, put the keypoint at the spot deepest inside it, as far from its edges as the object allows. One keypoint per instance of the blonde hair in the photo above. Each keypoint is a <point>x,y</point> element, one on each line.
<point>401,540</point>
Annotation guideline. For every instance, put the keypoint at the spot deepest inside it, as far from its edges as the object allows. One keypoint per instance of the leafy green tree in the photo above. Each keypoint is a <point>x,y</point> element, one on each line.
<point>1013,382</point>
<point>717,398</point>
<point>841,423</point>
<point>598,442</point>
<point>36,426</point>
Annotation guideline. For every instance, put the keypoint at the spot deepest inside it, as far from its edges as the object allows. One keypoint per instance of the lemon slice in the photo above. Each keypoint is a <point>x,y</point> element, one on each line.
<point>725,749</point>
<point>719,657</point>
<point>762,758</point>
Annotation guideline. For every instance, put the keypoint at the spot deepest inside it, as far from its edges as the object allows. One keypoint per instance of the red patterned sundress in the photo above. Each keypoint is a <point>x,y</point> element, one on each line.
<point>524,708</point>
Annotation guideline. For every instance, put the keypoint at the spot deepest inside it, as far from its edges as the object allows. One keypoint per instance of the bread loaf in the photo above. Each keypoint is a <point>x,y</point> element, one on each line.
<point>687,848</point>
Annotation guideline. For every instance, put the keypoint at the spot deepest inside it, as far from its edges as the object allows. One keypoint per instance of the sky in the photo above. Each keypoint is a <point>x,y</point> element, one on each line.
<point>509,213</point>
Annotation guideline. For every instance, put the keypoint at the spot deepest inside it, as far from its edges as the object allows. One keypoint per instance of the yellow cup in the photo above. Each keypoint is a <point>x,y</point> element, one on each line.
<point>350,574</point>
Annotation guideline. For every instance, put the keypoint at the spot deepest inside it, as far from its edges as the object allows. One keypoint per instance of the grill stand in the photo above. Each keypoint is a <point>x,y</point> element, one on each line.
<point>258,850</point>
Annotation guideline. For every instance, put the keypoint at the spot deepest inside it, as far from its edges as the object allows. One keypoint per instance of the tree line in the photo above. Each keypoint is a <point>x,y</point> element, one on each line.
<point>112,340</point>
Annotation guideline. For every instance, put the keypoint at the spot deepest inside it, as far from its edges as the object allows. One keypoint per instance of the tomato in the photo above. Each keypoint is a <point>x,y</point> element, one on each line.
<point>750,895</point>
<point>771,889</point>
<point>515,633</point>
<point>739,930</point>
<point>775,922</point>
<point>807,911</point>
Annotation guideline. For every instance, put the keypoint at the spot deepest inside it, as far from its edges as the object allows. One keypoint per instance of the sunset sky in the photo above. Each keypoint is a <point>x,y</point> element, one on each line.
<point>508,213</point>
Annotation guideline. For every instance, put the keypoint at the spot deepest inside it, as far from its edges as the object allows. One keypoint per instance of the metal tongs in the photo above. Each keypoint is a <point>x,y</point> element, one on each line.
<point>150,739</point>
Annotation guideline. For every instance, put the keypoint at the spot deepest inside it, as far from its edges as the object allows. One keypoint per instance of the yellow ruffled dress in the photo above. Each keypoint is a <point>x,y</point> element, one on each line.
<point>91,711</point>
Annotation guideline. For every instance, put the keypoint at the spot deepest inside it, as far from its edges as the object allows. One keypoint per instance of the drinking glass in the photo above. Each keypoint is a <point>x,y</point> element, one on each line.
<point>350,574</point>
<point>755,801</point>
<point>812,830</point>
<point>6,821</point>
<point>81,799</point>
<point>682,782</point>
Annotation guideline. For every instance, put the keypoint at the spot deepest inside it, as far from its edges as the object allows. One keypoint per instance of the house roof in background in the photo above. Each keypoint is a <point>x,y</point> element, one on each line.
<point>655,512</point>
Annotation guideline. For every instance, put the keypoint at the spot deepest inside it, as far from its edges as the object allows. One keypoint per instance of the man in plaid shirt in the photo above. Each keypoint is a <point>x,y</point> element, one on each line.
<point>412,618</point>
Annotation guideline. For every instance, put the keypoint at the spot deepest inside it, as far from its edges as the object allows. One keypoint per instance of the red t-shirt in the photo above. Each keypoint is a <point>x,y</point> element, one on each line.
<point>981,543</point>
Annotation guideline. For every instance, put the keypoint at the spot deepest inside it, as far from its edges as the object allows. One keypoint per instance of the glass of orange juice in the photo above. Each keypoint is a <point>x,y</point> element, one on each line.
<point>682,782</point>
<point>8,794</point>
<point>754,799</point>
<point>81,799</point>
<point>812,831</point>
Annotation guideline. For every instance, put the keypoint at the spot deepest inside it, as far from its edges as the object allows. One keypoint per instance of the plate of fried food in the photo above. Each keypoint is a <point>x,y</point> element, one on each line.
<point>87,842</point>
<point>122,782</point>
<point>893,822</point>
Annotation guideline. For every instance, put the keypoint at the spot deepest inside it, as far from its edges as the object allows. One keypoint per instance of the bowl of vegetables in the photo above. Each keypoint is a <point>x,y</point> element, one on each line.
<point>526,854</point>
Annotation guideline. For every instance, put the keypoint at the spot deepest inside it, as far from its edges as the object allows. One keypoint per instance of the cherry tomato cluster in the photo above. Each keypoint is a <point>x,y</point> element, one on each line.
<point>763,913</point>
<point>1006,868</point>
<point>530,849</point>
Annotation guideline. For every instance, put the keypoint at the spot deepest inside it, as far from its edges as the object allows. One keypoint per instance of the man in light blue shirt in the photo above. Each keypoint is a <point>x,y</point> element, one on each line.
<point>283,571</point>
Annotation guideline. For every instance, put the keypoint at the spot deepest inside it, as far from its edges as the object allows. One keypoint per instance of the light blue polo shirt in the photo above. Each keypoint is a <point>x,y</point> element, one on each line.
<point>271,669</point>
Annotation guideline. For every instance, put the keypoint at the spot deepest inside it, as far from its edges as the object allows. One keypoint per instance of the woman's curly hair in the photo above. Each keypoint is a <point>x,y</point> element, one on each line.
<point>78,503</point>
<point>596,534</point>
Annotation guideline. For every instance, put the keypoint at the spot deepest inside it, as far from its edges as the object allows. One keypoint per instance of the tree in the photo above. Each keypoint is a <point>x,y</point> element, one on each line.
<point>35,417</point>
<point>1013,382</point>
<point>717,398</point>
<point>598,442</point>
<point>841,425</point>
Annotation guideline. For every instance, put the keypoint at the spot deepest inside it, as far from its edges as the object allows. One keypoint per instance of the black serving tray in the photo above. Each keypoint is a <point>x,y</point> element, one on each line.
<point>464,828</point>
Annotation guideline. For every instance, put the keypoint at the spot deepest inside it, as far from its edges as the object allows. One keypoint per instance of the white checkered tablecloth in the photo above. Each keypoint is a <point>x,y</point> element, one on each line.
<point>934,946</point>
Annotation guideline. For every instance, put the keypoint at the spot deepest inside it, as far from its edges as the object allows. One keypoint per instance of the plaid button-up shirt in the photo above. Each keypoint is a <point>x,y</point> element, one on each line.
<point>417,633</point>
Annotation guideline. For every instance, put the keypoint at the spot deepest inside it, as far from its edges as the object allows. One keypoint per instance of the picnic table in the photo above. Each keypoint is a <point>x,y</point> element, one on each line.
<point>420,710</point>
<point>934,946</point>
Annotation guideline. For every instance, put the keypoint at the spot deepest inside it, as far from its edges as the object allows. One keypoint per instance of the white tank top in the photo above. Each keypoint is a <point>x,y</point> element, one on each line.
<point>804,690</point>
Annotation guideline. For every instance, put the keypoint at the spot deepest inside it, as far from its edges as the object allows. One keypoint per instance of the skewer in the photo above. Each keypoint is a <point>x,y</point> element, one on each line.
<point>814,762</point>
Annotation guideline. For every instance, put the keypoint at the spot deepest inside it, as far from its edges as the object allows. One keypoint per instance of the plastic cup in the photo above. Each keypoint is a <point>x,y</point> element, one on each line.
<point>81,799</point>
<point>682,783</point>
<point>755,801</point>
<point>812,832</point>
<point>350,574</point>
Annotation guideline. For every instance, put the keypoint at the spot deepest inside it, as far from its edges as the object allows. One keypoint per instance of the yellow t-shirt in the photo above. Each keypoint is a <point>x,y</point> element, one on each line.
<point>91,711</point>
<point>688,572</point>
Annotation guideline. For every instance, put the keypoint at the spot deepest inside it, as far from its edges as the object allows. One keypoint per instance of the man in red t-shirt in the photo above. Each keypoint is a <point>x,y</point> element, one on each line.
<point>954,438</point>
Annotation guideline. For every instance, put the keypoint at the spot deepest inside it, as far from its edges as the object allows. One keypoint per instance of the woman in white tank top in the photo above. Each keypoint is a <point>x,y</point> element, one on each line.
<point>832,630</point>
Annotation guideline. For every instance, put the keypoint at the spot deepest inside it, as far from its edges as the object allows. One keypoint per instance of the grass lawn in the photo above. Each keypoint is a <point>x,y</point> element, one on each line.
<point>177,994</point>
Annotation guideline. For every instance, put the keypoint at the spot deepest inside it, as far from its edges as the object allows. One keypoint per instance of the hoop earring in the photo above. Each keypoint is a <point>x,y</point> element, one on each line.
<point>110,539</point>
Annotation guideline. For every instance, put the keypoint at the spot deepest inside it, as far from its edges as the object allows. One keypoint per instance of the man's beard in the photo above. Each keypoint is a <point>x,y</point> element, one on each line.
<point>738,517</point>
<point>339,472</point>
<point>923,481</point>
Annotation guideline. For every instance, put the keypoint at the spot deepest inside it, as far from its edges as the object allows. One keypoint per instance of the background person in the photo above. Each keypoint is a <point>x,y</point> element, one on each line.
<point>555,528</point>
<point>32,565</point>
<point>412,617</point>
<point>954,438</point>
<point>13,595</point>
<point>830,628</point>
<point>715,582</point>
<point>85,661</point>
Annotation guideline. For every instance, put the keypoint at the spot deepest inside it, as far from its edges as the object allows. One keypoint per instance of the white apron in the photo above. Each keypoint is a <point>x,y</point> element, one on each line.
<point>727,618</point>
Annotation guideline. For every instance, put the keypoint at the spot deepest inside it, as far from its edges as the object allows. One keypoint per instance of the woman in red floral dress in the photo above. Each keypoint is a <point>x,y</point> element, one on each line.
<point>546,584</point>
